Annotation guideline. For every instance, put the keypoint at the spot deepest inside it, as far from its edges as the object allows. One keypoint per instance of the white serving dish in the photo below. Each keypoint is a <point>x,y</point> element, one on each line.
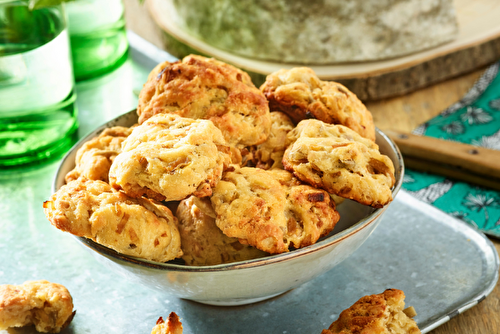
<point>247,281</point>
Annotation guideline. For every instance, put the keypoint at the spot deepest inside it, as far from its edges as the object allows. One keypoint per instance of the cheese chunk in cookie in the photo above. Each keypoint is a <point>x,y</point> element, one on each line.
<point>269,154</point>
<point>300,94</point>
<point>46,305</point>
<point>94,158</point>
<point>172,326</point>
<point>136,227</point>
<point>202,242</point>
<point>375,314</point>
<point>338,160</point>
<point>205,88</point>
<point>310,213</point>
<point>169,158</point>
<point>271,211</point>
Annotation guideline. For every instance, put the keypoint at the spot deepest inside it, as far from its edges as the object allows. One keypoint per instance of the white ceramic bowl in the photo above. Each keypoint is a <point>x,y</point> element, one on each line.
<point>246,281</point>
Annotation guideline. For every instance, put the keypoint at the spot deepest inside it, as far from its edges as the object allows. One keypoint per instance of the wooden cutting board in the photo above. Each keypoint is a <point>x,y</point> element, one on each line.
<point>477,45</point>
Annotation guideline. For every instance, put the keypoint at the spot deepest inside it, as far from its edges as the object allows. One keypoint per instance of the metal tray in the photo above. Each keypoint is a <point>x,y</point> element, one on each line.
<point>443,265</point>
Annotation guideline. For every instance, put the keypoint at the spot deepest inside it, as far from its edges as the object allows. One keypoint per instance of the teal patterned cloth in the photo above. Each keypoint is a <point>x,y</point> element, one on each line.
<point>473,120</point>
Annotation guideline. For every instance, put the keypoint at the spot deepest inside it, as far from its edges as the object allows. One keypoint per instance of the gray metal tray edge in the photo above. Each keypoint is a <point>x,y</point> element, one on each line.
<point>149,55</point>
<point>471,231</point>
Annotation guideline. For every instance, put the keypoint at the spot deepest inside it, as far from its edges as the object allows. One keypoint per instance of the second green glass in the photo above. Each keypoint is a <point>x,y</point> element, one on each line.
<point>98,37</point>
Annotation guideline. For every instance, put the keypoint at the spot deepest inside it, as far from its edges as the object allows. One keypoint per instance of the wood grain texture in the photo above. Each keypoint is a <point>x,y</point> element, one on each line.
<point>406,80</point>
<point>468,158</point>
<point>402,113</point>
<point>477,45</point>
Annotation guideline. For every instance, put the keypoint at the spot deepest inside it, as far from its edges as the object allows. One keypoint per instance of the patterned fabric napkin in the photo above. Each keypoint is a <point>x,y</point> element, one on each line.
<point>473,120</point>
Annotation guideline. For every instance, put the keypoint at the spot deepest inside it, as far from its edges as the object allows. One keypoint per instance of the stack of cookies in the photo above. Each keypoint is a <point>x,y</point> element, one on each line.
<point>247,172</point>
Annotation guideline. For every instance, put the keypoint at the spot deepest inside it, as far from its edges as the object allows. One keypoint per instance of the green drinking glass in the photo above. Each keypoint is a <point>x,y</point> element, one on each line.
<point>98,37</point>
<point>38,116</point>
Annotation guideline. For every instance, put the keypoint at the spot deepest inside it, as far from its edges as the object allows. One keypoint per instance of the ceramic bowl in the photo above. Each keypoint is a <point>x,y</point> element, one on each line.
<point>246,281</point>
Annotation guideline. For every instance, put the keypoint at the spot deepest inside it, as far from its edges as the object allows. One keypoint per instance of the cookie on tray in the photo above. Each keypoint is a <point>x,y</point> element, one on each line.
<point>168,158</point>
<point>378,314</point>
<point>48,306</point>
<point>205,88</point>
<point>202,242</point>
<point>269,154</point>
<point>172,326</point>
<point>300,94</point>
<point>94,158</point>
<point>340,161</point>
<point>268,210</point>
<point>135,227</point>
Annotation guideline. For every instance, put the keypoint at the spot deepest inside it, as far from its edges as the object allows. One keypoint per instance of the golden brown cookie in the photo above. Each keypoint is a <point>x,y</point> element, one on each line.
<point>269,154</point>
<point>172,326</point>
<point>136,227</point>
<point>169,158</point>
<point>202,242</point>
<point>271,210</point>
<point>204,88</point>
<point>338,160</point>
<point>249,204</point>
<point>300,94</point>
<point>94,158</point>
<point>46,305</point>
<point>310,213</point>
<point>375,314</point>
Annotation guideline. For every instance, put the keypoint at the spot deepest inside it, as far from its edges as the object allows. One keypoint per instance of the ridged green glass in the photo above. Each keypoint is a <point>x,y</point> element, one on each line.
<point>38,116</point>
<point>98,37</point>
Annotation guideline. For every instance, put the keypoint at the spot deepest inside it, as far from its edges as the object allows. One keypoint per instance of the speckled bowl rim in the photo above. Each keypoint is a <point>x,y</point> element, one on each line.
<point>325,242</point>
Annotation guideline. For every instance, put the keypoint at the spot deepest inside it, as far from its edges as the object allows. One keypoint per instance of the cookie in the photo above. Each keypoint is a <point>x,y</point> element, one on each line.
<point>269,154</point>
<point>168,158</point>
<point>94,158</point>
<point>172,326</point>
<point>249,204</point>
<point>271,210</point>
<point>338,160</point>
<point>300,94</point>
<point>46,305</point>
<point>135,227</point>
<point>202,242</point>
<point>377,314</point>
<point>205,88</point>
<point>310,213</point>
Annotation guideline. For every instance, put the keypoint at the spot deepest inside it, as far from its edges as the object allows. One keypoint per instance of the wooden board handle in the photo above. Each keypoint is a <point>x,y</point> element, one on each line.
<point>470,163</point>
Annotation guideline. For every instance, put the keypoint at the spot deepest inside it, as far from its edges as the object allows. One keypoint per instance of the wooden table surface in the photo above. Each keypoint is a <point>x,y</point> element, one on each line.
<point>403,113</point>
